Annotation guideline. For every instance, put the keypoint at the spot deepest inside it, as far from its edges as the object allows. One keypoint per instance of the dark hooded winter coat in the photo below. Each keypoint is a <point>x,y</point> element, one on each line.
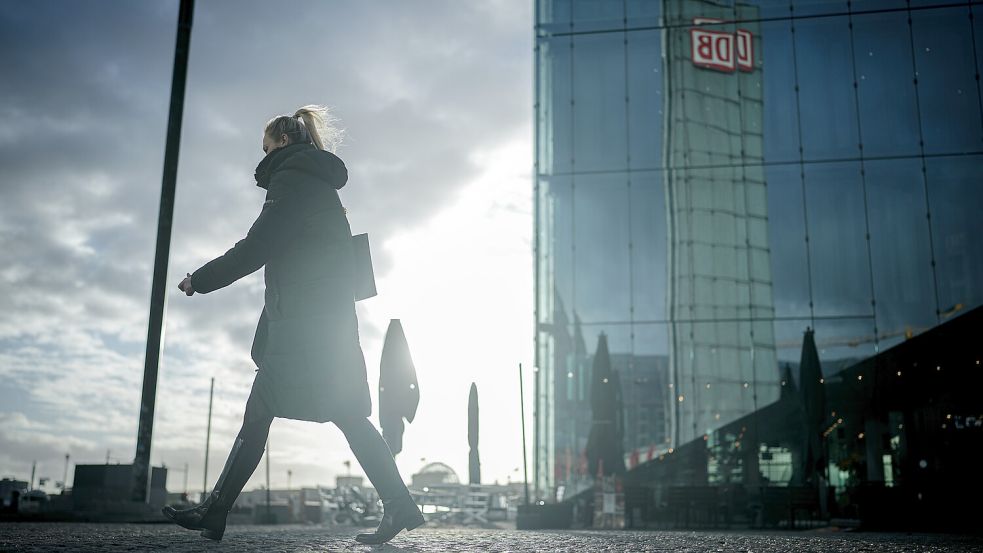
<point>306,346</point>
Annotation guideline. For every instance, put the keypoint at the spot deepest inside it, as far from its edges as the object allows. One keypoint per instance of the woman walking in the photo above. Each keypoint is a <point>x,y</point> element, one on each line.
<point>306,346</point>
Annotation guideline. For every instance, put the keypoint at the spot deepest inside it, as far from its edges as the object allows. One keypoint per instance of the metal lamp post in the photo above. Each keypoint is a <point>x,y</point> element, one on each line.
<point>155,332</point>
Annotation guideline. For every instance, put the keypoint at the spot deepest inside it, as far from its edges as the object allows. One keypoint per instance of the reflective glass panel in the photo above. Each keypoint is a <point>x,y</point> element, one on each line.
<point>643,13</point>
<point>648,246</point>
<point>683,12</point>
<point>554,16</point>
<point>774,8</point>
<point>599,102</point>
<point>560,221</point>
<point>556,111</point>
<point>827,107</point>
<point>977,11</point>
<point>781,122</point>
<point>837,239</point>
<point>544,253</point>
<point>593,15</point>
<point>644,382</point>
<point>601,236</point>
<point>718,267</point>
<point>900,248</point>
<point>885,89</point>
<point>787,240</point>
<point>947,87</point>
<point>956,202</point>
<point>645,99</point>
<point>720,372</point>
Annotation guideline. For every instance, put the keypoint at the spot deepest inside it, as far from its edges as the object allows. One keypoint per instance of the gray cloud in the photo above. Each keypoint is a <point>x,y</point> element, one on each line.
<point>421,87</point>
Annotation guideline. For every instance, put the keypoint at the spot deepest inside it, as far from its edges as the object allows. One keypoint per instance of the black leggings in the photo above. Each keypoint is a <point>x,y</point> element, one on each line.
<point>367,444</point>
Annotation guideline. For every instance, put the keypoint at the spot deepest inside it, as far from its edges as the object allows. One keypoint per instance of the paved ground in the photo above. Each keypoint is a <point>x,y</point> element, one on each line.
<point>270,539</point>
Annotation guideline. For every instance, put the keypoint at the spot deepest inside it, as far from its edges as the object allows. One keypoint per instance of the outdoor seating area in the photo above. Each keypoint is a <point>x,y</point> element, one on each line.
<point>765,507</point>
<point>466,505</point>
<point>785,507</point>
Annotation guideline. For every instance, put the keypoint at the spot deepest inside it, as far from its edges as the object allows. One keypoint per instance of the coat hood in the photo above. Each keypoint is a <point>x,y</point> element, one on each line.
<point>305,159</point>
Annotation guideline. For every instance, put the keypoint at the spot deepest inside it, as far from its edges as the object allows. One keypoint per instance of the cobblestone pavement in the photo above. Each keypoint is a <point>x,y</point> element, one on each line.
<point>269,539</point>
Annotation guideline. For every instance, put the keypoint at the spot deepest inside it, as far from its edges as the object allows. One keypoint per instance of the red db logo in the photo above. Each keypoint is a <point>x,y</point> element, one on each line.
<point>721,50</point>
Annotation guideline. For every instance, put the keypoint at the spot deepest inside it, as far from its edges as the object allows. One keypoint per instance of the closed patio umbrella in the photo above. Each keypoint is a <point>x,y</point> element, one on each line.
<point>474,463</point>
<point>399,393</point>
<point>812,392</point>
<point>605,450</point>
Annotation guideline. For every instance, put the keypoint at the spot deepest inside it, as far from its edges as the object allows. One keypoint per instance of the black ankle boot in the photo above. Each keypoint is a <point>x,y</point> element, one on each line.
<point>209,517</point>
<point>397,515</point>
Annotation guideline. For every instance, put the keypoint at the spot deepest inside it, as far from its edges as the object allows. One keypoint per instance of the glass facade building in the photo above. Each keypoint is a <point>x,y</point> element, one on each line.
<point>713,178</point>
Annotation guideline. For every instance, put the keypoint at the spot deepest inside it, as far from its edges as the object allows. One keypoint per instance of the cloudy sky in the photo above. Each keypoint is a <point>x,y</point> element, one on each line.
<point>436,100</point>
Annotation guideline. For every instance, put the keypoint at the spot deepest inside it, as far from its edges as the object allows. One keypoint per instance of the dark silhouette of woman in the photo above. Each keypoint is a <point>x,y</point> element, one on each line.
<point>307,348</point>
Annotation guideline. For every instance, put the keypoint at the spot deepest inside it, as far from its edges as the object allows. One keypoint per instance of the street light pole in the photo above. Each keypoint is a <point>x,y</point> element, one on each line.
<point>64,478</point>
<point>522,411</point>
<point>269,517</point>
<point>158,299</point>
<point>208,438</point>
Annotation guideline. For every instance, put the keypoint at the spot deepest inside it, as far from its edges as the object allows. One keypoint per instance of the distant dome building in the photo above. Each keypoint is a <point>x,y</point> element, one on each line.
<point>434,474</point>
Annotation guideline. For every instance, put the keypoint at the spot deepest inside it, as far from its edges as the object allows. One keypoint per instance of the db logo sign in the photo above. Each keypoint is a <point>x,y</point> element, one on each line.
<point>721,50</point>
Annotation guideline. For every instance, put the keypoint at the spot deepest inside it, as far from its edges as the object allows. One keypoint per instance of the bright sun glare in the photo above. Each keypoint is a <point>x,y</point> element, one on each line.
<point>462,287</point>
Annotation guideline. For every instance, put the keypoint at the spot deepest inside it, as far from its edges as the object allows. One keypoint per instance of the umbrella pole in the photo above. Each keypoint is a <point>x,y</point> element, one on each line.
<point>522,411</point>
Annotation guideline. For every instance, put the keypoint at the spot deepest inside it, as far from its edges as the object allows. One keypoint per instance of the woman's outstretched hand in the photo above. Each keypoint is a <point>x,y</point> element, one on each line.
<point>185,286</point>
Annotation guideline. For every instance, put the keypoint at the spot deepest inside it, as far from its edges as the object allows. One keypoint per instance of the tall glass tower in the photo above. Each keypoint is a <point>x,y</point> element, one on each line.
<point>721,342</point>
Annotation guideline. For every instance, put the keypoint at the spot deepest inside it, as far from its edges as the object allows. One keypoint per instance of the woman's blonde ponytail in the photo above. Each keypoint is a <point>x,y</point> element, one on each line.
<point>320,124</point>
